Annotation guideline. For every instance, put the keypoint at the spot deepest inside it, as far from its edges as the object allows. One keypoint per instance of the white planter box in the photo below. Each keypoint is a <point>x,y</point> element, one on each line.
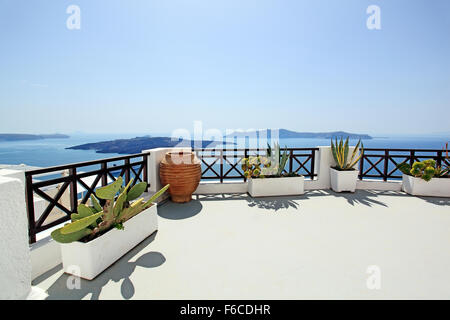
<point>87,260</point>
<point>285,186</point>
<point>436,187</point>
<point>343,180</point>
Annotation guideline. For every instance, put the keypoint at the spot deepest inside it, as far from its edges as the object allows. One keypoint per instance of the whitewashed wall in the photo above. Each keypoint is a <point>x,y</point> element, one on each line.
<point>15,262</point>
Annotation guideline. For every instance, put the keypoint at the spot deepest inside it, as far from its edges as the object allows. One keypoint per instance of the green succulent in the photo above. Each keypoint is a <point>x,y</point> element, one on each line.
<point>422,169</point>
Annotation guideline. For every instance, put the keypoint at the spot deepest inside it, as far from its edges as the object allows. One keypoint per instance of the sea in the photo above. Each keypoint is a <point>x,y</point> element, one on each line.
<point>52,152</point>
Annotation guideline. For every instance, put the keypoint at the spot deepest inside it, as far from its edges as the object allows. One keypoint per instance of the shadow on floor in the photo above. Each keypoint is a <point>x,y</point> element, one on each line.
<point>364,197</point>
<point>120,270</point>
<point>360,197</point>
<point>437,200</point>
<point>178,211</point>
<point>272,203</point>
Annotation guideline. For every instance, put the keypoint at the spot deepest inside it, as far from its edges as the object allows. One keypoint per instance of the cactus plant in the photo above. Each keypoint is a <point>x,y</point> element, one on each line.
<point>426,169</point>
<point>91,221</point>
<point>340,152</point>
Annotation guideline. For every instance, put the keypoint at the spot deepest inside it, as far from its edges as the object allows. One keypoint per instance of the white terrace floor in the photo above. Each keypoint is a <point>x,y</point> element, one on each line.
<point>314,246</point>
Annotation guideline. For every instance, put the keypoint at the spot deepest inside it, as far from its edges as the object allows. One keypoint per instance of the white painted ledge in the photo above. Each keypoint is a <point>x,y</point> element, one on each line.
<point>379,185</point>
<point>214,187</point>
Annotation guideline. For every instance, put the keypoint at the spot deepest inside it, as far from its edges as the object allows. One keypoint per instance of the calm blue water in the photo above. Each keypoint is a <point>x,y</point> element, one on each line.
<point>51,152</point>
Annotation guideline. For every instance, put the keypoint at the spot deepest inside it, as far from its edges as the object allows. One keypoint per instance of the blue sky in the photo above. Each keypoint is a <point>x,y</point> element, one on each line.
<point>157,65</point>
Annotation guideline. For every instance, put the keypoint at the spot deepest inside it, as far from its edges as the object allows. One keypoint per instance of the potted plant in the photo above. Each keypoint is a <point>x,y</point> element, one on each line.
<point>96,238</point>
<point>343,175</point>
<point>424,178</point>
<point>266,178</point>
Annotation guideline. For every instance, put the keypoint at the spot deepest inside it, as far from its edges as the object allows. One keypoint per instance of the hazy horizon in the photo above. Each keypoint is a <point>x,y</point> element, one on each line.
<point>155,66</point>
<point>168,134</point>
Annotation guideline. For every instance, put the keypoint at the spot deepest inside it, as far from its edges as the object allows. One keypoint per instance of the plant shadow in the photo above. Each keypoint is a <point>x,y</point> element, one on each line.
<point>270,203</point>
<point>359,197</point>
<point>273,203</point>
<point>120,270</point>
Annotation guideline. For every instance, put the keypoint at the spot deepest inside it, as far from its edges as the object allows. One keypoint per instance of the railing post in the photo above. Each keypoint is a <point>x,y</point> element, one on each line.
<point>145,171</point>
<point>127,170</point>
<point>73,189</point>
<point>30,208</point>
<point>245,156</point>
<point>104,174</point>
<point>291,156</point>
<point>439,159</point>
<point>386,163</point>
<point>221,165</point>
<point>412,156</point>
<point>313,163</point>
<point>361,166</point>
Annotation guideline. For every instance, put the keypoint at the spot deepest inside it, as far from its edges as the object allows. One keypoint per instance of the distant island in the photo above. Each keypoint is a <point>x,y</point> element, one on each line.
<point>20,136</point>
<point>136,145</point>
<point>286,134</point>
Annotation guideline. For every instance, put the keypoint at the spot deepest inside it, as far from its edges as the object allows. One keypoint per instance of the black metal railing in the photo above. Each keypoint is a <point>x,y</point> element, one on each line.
<point>59,186</point>
<point>225,164</point>
<point>63,182</point>
<point>382,163</point>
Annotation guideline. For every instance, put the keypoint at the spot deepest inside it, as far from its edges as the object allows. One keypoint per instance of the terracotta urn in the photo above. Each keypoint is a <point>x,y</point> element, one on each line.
<point>182,170</point>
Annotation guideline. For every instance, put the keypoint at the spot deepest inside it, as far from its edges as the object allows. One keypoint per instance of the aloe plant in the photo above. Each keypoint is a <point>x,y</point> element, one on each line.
<point>93,220</point>
<point>340,151</point>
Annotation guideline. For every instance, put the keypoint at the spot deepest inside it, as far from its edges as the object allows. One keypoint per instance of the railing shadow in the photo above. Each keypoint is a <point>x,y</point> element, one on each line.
<point>121,269</point>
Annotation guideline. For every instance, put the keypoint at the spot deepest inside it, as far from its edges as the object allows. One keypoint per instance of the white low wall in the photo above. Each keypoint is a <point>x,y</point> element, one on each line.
<point>15,262</point>
<point>379,185</point>
<point>218,188</point>
<point>45,255</point>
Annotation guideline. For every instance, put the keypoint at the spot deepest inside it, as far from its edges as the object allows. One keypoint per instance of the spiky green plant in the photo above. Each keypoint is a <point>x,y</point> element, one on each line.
<point>340,152</point>
<point>90,221</point>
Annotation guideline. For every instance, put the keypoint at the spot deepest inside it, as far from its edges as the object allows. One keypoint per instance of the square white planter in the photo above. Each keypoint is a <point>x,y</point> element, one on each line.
<point>87,260</point>
<point>343,180</point>
<point>285,186</point>
<point>436,187</point>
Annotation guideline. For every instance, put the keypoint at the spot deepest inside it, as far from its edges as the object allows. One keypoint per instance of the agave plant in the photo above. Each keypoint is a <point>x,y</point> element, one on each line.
<point>120,204</point>
<point>340,152</point>
<point>276,162</point>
